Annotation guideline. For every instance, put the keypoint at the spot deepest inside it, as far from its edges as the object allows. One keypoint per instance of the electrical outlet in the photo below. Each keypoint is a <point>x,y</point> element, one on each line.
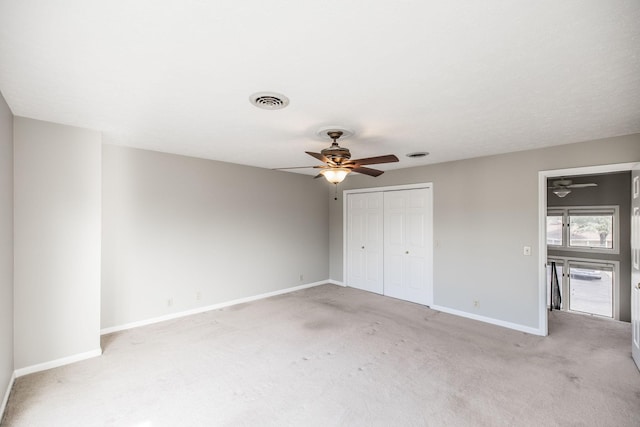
<point>198,296</point>
<point>476,303</point>
<point>301,277</point>
<point>526,251</point>
<point>169,302</point>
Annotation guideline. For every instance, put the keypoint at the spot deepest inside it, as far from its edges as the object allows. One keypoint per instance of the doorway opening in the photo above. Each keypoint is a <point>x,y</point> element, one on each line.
<point>588,251</point>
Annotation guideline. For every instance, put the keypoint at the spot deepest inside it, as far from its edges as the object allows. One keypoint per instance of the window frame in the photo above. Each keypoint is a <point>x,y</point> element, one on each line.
<point>567,211</point>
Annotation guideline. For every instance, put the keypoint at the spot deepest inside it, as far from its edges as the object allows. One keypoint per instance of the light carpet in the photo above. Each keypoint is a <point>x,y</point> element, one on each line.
<point>333,356</point>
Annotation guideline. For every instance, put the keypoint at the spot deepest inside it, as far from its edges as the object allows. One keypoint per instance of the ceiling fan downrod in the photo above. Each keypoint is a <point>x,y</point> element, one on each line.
<point>334,134</point>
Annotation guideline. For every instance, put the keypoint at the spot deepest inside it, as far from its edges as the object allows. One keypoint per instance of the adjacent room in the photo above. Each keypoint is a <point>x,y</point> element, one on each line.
<point>334,213</point>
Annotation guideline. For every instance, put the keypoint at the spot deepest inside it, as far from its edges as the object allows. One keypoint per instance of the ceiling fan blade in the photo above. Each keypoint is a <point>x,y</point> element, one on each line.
<point>296,167</point>
<point>367,171</point>
<point>389,158</point>
<point>590,184</point>
<point>318,176</point>
<point>318,156</point>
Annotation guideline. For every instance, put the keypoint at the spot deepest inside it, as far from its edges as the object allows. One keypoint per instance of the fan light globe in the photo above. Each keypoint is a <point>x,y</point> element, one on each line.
<point>561,192</point>
<point>335,175</point>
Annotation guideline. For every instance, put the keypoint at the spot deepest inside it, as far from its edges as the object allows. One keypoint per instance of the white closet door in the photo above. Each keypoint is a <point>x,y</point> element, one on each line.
<point>364,241</point>
<point>408,245</point>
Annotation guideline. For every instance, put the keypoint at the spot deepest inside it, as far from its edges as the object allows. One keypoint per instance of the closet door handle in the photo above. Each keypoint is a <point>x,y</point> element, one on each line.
<point>363,247</point>
<point>407,252</point>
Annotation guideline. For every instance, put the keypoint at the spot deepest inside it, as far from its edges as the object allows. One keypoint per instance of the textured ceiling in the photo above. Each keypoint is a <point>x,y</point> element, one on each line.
<point>459,79</point>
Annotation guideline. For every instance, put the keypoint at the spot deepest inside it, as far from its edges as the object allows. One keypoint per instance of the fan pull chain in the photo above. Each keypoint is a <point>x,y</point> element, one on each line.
<point>335,196</point>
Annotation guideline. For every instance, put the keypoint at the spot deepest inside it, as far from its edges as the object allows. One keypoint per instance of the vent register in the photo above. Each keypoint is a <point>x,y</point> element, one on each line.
<point>269,100</point>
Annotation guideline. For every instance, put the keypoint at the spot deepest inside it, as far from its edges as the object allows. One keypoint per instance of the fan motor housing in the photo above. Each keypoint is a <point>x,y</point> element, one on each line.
<point>336,153</point>
<point>562,182</point>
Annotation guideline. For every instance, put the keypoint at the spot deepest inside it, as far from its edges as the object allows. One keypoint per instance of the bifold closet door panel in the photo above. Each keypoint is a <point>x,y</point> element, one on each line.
<point>408,245</point>
<point>365,241</point>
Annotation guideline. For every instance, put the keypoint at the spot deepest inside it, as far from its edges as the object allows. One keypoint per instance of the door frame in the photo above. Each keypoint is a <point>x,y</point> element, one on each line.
<point>543,325</point>
<point>345,193</point>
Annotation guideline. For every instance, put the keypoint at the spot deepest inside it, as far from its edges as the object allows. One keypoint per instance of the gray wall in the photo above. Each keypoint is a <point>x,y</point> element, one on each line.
<point>180,228</point>
<point>6,247</point>
<point>485,211</point>
<point>57,184</point>
<point>612,189</point>
<point>200,232</point>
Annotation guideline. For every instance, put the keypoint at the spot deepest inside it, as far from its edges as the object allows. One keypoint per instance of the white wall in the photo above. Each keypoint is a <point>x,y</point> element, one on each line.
<point>57,241</point>
<point>180,228</point>
<point>485,211</point>
<point>6,248</point>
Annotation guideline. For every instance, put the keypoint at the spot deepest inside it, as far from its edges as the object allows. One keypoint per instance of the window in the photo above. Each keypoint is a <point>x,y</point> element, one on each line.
<point>591,289</point>
<point>586,286</point>
<point>560,273</point>
<point>554,229</point>
<point>584,229</point>
<point>591,230</point>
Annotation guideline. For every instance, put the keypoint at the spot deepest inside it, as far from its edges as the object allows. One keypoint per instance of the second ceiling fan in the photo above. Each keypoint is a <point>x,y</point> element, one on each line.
<point>337,160</point>
<point>562,187</point>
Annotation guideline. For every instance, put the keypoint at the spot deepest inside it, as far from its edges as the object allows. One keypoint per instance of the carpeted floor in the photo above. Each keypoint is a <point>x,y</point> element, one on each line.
<point>333,356</point>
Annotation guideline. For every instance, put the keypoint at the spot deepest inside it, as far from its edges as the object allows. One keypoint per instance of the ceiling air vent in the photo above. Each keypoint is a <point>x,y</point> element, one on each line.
<point>269,100</point>
<point>417,154</point>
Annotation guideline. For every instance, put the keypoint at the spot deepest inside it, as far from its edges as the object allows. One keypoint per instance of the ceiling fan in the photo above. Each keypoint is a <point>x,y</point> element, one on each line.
<point>562,187</point>
<point>338,163</point>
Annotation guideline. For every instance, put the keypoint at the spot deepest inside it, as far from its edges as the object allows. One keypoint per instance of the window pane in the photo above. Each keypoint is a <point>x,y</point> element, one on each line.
<point>591,231</point>
<point>554,230</point>
<point>559,267</point>
<point>591,290</point>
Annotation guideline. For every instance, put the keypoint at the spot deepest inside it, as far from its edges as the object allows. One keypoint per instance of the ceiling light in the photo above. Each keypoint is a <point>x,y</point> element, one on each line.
<point>335,175</point>
<point>269,100</point>
<point>561,192</point>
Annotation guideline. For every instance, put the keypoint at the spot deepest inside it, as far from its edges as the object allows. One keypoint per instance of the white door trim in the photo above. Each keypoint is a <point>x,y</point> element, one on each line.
<point>543,325</point>
<point>635,275</point>
<point>345,193</point>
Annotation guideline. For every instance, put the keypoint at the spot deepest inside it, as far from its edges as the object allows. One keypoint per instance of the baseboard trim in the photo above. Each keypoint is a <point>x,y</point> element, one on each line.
<point>497,322</point>
<point>3,406</point>
<point>58,362</point>
<point>198,310</point>
<point>335,282</point>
